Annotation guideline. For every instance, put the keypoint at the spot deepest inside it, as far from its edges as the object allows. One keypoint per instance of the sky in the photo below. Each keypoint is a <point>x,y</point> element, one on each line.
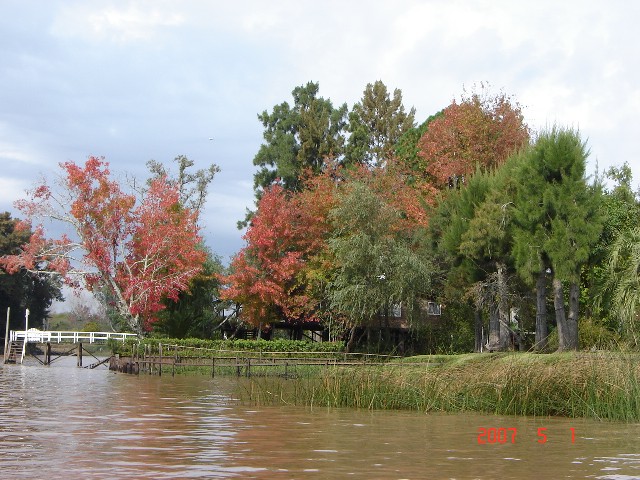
<point>140,80</point>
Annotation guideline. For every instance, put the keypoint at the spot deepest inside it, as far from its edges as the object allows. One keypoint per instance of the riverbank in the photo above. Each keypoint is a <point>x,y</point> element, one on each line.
<point>599,385</point>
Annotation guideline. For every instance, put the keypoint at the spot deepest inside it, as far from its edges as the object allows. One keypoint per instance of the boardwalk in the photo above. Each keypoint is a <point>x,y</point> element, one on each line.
<point>15,345</point>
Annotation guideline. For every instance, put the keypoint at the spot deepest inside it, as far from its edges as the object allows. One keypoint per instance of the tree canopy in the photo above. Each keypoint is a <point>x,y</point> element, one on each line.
<point>141,250</point>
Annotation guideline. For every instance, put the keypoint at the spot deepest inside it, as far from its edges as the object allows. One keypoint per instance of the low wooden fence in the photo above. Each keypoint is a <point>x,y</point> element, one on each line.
<point>167,359</point>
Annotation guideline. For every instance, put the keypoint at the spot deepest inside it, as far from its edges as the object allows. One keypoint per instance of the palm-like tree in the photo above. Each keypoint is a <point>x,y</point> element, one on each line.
<point>624,278</point>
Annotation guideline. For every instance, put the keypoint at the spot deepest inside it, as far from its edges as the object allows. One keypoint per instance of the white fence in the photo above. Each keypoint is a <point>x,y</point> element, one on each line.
<point>34,335</point>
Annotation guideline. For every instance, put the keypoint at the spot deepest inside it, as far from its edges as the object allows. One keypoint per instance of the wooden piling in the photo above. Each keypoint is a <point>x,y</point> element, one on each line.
<point>160,363</point>
<point>47,354</point>
<point>6,337</point>
<point>80,354</point>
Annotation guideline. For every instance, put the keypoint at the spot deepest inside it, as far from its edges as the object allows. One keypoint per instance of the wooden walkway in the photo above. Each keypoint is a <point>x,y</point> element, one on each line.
<point>169,359</point>
<point>16,343</point>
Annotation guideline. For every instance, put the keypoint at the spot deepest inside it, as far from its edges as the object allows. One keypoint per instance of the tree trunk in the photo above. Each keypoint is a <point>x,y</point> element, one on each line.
<point>542,329</point>
<point>477,328</point>
<point>494,328</point>
<point>572,319</point>
<point>352,339</point>
<point>503,310</point>
<point>561,319</point>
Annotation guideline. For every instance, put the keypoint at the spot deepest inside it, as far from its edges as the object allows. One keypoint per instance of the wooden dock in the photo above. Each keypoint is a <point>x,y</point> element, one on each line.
<point>17,341</point>
<point>169,359</point>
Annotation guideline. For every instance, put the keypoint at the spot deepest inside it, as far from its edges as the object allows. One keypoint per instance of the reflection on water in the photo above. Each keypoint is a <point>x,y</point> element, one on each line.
<point>63,422</point>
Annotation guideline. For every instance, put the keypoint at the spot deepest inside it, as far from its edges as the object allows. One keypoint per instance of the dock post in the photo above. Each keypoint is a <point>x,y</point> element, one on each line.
<point>47,354</point>
<point>80,354</point>
<point>160,363</point>
<point>213,365</point>
<point>6,337</point>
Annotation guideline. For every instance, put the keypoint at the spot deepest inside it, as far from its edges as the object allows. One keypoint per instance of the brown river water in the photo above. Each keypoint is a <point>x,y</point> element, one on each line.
<point>63,422</point>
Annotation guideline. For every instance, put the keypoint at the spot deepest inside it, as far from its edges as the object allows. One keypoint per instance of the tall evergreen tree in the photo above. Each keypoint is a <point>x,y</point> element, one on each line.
<point>376,123</point>
<point>557,220</point>
<point>298,138</point>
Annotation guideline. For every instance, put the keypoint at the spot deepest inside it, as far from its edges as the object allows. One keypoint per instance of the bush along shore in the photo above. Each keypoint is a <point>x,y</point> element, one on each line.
<point>599,385</point>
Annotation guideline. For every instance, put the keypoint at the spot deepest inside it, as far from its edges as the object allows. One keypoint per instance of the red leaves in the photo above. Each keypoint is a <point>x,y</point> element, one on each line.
<point>143,252</point>
<point>477,132</point>
<point>286,231</point>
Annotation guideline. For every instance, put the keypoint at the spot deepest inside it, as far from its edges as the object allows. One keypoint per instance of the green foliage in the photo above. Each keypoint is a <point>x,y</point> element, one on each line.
<point>593,336</point>
<point>298,138</point>
<point>602,386</point>
<point>624,280</point>
<point>620,210</point>
<point>377,267</point>
<point>197,312</point>
<point>23,290</point>
<point>92,326</point>
<point>376,123</point>
<point>192,185</point>
<point>556,211</point>
<point>206,346</point>
<point>407,147</point>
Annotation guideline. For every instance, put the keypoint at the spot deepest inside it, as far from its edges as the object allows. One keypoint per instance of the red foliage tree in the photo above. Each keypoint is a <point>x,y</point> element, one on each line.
<point>287,231</point>
<point>479,131</point>
<point>141,251</point>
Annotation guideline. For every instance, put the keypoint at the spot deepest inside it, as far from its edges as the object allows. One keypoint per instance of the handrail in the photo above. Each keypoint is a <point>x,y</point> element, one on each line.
<point>41,336</point>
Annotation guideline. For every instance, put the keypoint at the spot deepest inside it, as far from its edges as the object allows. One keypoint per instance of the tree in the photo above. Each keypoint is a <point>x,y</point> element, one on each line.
<point>481,130</point>
<point>287,230</point>
<point>22,289</point>
<point>198,311</point>
<point>407,152</point>
<point>620,210</point>
<point>377,262</point>
<point>557,221</point>
<point>192,186</point>
<point>624,279</point>
<point>139,250</point>
<point>298,138</point>
<point>376,123</point>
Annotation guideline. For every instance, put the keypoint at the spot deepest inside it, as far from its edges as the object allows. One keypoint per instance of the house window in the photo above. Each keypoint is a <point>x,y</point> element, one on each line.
<point>433,308</point>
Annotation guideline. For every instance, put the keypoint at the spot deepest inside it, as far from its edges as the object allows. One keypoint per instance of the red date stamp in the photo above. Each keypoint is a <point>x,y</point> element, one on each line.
<point>508,435</point>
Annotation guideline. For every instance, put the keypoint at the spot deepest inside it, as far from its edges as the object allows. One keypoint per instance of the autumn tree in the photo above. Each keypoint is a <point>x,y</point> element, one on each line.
<point>376,123</point>
<point>139,250</point>
<point>287,230</point>
<point>481,130</point>
<point>22,289</point>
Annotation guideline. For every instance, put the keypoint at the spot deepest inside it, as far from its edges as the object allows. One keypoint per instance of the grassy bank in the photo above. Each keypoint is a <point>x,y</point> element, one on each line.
<point>594,385</point>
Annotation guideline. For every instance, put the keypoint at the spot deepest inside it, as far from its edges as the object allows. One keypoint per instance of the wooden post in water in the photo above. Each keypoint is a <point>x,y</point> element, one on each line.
<point>213,365</point>
<point>80,354</point>
<point>175,360</point>
<point>47,354</point>
<point>6,337</point>
<point>160,363</point>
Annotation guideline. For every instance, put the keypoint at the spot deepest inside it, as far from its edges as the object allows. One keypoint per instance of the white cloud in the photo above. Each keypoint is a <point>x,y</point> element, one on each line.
<point>138,21</point>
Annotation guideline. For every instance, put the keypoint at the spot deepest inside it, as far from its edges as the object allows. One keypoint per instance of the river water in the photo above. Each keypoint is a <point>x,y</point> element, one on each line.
<point>66,422</point>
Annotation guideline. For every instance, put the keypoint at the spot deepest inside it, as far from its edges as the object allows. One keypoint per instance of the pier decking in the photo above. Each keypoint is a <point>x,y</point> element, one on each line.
<point>17,341</point>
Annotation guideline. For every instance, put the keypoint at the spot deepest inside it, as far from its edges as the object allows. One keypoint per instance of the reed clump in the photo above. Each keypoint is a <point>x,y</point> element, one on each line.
<point>602,385</point>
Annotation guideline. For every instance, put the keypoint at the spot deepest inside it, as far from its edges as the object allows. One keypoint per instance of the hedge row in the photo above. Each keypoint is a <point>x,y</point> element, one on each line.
<point>234,345</point>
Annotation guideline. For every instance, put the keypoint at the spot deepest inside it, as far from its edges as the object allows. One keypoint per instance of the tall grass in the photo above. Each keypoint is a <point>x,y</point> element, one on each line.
<point>592,385</point>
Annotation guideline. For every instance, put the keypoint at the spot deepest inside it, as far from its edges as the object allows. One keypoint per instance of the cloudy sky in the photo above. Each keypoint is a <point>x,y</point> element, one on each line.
<point>139,80</point>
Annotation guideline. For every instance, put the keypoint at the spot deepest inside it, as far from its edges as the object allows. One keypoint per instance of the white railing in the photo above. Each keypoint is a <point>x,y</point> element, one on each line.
<point>40,336</point>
